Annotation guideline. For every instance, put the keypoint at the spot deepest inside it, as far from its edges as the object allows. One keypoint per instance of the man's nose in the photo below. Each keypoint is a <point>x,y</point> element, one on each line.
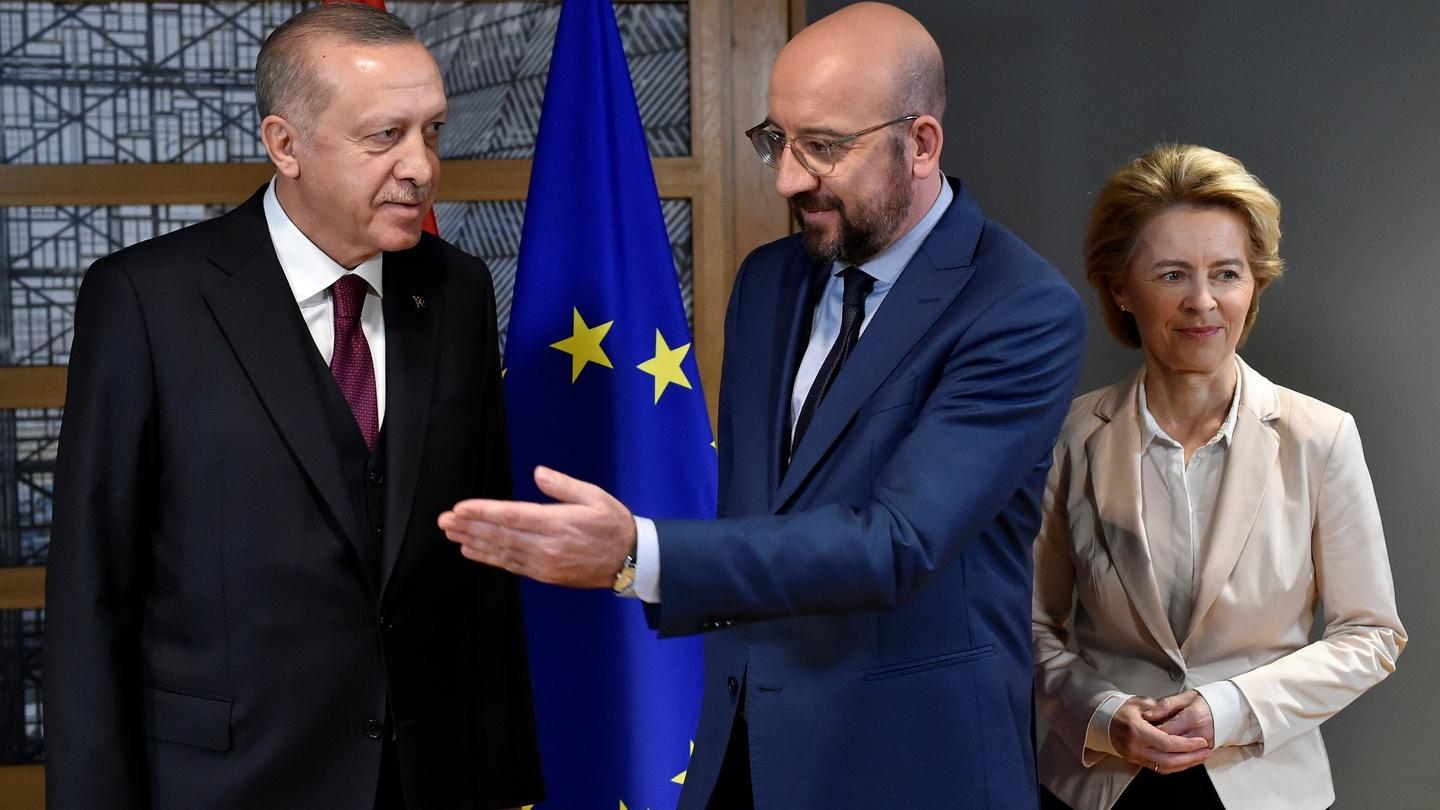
<point>790,177</point>
<point>417,162</point>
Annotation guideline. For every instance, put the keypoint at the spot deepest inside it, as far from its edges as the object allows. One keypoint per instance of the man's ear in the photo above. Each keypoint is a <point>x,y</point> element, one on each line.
<point>282,142</point>
<point>928,140</point>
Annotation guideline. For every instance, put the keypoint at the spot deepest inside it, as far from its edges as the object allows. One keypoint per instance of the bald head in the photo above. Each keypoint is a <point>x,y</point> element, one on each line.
<point>861,93</point>
<point>868,53</point>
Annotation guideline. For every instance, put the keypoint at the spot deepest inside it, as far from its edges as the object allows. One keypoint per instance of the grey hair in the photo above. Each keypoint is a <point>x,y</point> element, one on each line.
<point>285,82</point>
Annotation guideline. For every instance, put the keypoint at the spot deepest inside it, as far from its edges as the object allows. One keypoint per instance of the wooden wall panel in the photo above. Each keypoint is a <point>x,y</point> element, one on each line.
<point>22,588</point>
<point>32,387</point>
<point>22,787</point>
<point>760,31</point>
<point>196,183</point>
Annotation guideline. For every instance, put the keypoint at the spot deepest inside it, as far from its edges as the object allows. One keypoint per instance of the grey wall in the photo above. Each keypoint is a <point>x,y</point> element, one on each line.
<point>1336,106</point>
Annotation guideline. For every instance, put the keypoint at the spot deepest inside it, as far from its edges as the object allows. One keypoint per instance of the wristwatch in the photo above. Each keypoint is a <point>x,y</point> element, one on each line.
<point>624,584</point>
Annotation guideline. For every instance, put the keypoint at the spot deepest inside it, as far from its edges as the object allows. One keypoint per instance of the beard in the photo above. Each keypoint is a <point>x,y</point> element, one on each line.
<point>866,226</point>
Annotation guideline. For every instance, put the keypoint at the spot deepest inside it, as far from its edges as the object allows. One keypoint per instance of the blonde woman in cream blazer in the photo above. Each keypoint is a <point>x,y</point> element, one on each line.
<point>1201,689</point>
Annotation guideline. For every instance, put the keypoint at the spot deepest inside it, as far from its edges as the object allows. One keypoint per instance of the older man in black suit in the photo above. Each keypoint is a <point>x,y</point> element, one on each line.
<point>249,603</point>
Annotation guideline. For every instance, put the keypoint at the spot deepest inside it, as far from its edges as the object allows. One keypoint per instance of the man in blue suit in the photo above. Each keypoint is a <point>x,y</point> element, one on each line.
<point>894,377</point>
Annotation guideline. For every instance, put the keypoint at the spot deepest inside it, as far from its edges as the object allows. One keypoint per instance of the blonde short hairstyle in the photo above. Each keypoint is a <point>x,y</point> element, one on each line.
<point>1166,177</point>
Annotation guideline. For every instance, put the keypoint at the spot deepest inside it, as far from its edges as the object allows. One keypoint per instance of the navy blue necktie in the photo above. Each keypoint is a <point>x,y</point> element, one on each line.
<point>858,284</point>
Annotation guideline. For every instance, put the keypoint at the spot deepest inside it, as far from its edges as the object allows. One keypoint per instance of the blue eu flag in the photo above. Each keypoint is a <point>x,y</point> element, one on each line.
<point>601,384</point>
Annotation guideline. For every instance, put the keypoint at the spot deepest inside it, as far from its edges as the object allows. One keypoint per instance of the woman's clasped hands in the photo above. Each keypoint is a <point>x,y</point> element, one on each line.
<point>1167,735</point>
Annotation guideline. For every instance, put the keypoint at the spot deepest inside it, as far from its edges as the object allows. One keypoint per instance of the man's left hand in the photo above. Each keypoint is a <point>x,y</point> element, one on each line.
<point>580,541</point>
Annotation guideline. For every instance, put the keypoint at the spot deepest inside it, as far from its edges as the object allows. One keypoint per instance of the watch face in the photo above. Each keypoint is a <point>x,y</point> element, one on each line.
<point>625,578</point>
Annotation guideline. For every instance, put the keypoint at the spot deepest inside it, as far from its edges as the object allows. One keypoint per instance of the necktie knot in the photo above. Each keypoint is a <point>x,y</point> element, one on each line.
<point>858,285</point>
<point>349,292</point>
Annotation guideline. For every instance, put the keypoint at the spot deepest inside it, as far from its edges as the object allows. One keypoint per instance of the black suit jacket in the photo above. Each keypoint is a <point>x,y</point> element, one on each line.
<point>218,634</point>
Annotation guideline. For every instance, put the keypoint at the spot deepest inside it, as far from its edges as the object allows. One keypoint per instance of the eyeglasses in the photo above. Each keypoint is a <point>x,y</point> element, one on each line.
<point>817,156</point>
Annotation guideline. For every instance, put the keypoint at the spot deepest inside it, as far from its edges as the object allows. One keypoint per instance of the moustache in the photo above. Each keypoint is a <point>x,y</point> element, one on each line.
<point>813,201</point>
<point>406,195</point>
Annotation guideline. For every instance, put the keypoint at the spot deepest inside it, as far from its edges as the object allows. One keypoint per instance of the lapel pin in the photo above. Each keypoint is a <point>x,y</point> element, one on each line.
<point>419,302</point>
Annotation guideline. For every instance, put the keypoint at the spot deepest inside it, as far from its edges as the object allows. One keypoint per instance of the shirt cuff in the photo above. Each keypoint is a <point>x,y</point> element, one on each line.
<point>1097,734</point>
<point>1235,723</point>
<point>647,561</point>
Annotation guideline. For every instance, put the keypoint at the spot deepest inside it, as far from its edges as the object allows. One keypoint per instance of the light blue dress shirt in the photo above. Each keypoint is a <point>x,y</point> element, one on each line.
<point>885,267</point>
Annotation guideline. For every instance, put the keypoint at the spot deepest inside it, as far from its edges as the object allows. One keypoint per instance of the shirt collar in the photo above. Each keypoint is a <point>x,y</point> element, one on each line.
<point>887,265</point>
<point>1151,431</point>
<point>308,270</point>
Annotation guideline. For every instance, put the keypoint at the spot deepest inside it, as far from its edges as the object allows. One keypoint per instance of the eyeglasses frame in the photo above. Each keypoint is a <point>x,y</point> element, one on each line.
<point>786,140</point>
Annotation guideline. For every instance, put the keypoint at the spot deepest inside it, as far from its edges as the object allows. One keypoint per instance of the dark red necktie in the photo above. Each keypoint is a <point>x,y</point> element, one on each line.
<point>351,363</point>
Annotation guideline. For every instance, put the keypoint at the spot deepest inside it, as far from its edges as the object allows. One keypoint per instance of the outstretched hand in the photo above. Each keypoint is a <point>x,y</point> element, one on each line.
<point>580,541</point>
<point>1138,733</point>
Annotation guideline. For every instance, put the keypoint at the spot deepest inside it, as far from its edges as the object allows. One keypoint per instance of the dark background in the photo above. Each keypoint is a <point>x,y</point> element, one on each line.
<point>1336,107</point>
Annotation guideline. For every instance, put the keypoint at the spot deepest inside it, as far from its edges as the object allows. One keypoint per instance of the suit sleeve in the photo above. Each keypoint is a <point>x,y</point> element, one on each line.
<point>495,470</point>
<point>1363,636</point>
<point>505,722</point>
<point>104,495</point>
<point>724,424</point>
<point>993,413</point>
<point>724,430</point>
<point>1068,690</point>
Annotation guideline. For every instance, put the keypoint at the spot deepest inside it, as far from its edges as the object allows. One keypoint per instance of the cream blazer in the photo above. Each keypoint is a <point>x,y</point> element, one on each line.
<point>1296,525</point>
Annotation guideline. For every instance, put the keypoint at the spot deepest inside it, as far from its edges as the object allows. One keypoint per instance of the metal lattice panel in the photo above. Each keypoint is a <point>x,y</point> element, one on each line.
<point>144,82</point>
<point>496,56</point>
<point>22,733</point>
<point>27,471</point>
<point>47,248</point>
<point>131,82</point>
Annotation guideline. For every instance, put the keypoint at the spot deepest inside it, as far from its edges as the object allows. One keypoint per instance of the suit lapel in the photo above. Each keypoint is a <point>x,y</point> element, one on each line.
<point>1249,469</point>
<point>927,286</point>
<point>256,310</point>
<point>1113,452</point>
<point>410,346</point>
<point>801,281</point>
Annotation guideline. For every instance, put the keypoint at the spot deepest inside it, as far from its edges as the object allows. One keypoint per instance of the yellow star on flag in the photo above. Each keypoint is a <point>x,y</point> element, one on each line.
<point>665,365</point>
<point>679,778</point>
<point>583,345</point>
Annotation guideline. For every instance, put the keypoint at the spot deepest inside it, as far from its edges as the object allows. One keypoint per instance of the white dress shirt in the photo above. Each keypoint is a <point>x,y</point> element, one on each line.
<point>885,267</point>
<point>310,274</point>
<point>1178,503</point>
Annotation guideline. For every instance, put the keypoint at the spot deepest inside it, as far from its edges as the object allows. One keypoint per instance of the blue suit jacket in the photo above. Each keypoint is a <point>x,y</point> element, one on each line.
<point>871,598</point>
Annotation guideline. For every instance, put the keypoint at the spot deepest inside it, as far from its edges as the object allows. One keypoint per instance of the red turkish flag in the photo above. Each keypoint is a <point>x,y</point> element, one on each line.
<point>380,4</point>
